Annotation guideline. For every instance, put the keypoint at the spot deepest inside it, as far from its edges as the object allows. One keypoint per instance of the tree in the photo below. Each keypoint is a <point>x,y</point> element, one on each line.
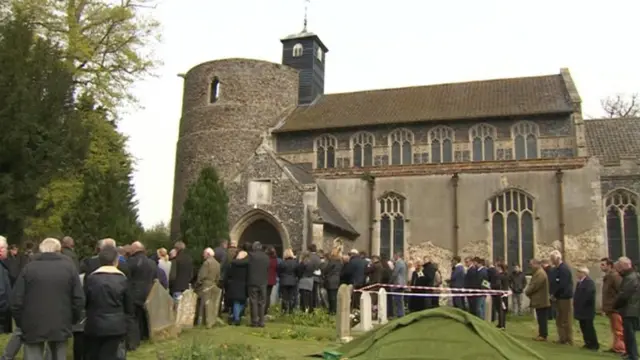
<point>106,206</point>
<point>204,221</point>
<point>106,43</point>
<point>42,135</point>
<point>158,236</point>
<point>620,106</point>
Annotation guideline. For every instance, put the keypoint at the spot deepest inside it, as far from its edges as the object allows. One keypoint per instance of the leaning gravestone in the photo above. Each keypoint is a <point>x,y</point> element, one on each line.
<point>382,306</point>
<point>212,296</point>
<point>160,313</point>
<point>186,313</point>
<point>343,313</point>
<point>365,313</point>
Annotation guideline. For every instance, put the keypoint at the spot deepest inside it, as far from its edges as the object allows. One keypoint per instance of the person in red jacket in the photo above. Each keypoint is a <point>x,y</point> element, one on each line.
<point>273,275</point>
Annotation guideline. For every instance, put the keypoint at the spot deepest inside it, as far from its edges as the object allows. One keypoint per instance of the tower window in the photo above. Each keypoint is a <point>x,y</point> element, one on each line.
<point>319,54</point>
<point>214,91</point>
<point>297,50</point>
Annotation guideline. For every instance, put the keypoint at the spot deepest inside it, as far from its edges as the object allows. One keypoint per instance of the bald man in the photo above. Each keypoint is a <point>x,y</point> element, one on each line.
<point>142,273</point>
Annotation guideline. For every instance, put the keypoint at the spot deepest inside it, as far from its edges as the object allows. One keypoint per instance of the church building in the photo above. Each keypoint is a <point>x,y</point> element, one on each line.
<point>501,169</point>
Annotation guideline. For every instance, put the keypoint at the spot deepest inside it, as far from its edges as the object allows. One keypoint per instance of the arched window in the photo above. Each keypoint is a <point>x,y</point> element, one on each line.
<point>214,90</point>
<point>441,144</point>
<point>362,149</point>
<point>482,137</point>
<point>319,54</point>
<point>525,136</point>
<point>511,215</point>
<point>297,50</point>
<point>622,225</point>
<point>325,148</point>
<point>392,217</point>
<point>400,144</point>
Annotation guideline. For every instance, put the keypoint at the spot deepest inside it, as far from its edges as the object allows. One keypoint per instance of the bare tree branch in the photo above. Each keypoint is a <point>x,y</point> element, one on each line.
<point>621,106</point>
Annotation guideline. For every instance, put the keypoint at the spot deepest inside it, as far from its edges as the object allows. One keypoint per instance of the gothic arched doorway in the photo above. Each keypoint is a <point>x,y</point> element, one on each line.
<point>260,225</point>
<point>262,230</point>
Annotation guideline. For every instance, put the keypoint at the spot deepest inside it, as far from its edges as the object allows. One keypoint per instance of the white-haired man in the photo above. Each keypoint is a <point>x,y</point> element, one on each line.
<point>627,304</point>
<point>584,308</point>
<point>563,295</point>
<point>208,277</point>
<point>50,276</point>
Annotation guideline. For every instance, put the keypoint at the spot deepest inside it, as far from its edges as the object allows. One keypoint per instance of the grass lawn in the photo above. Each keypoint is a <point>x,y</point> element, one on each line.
<point>294,339</point>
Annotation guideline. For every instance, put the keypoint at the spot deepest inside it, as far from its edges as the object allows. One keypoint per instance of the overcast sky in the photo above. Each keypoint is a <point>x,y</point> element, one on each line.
<point>377,44</point>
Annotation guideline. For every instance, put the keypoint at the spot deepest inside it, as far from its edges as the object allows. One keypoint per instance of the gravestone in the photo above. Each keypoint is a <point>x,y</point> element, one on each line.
<point>160,313</point>
<point>365,313</point>
<point>186,313</point>
<point>382,306</point>
<point>212,306</point>
<point>343,313</point>
<point>488,308</point>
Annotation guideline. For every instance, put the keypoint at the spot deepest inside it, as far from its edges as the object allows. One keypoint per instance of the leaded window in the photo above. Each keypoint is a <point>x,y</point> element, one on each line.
<point>392,218</point>
<point>482,137</point>
<point>362,149</point>
<point>622,225</point>
<point>511,215</point>
<point>525,136</point>
<point>325,147</point>
<point>441,143</point>
<point>401,144</point>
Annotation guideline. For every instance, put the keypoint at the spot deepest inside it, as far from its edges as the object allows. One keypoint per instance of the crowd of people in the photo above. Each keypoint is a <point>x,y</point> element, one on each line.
<point>52,295</point>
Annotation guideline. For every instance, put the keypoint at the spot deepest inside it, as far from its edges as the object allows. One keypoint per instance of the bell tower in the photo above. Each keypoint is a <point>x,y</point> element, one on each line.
<point>306,53</point>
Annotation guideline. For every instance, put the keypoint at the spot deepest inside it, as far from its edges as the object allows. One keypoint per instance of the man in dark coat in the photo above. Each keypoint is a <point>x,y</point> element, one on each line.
<point>470,279</point>
<point>562,294</point>
<point>221,252</point>
<point>457,281</point>
<point>5,289</point>
<point>257,279</point>
<point>584,308</point>
<point>14,263</point>
<point>142,273</point>
<point>182,271</point>
<point>52,277</point>
<point>68,250</point>
<point>109,305</point>
<point>627,304</point>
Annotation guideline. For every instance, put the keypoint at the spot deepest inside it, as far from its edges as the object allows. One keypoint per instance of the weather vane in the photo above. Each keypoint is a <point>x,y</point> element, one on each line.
<point>306,10</point>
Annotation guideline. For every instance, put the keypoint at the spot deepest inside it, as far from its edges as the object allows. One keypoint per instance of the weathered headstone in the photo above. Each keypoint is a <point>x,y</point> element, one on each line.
<point>187,307</point>
<point>488,308</point>
<point>382,306</point>
<point>343,313</point>
<point>161,314</point>
<point>365,313</point>
<point>212,306</point>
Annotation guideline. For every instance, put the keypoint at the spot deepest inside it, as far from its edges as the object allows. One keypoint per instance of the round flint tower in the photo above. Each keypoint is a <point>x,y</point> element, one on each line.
<point>227,107</point>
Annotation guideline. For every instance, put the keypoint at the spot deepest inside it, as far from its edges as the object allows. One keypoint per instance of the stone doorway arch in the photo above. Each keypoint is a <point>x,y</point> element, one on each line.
<point>261,225</point>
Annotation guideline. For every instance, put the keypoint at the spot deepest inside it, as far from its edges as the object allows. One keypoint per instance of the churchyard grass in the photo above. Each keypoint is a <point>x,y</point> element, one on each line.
<point>295,336</point>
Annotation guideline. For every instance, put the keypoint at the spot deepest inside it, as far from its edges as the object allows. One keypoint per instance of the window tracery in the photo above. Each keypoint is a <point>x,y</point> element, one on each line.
<point>441,144</point>
<point>325,147</point>
<point>362,144</point>
<point>401,144</point>
<point>482,138</point>
<point>392,219</point>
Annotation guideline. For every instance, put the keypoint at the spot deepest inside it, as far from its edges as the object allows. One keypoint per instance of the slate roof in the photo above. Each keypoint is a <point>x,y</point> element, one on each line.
<point>326,210</point>
<point>612,139</point>
<point>331,215</point>
<point>456,101</point>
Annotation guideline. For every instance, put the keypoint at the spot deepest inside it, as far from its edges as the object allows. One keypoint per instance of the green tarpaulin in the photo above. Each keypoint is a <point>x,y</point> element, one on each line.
<point>443,333</point>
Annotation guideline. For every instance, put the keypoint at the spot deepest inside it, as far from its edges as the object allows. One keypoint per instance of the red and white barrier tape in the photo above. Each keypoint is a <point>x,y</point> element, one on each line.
<point>440,289</point>
<point>411,294</point>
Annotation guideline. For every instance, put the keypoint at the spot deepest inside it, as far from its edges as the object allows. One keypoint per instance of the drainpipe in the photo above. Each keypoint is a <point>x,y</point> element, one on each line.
<point>456,227</point>
<point>559,176</point>
<point>371,180</point>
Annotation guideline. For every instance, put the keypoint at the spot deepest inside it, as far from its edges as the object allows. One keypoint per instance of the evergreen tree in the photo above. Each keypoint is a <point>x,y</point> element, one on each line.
<point>106,206</point>
<point>204,216</point>
<point>41,135</point>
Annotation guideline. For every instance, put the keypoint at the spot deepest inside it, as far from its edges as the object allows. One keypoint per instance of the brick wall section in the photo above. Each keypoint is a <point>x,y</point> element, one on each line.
<point>286,197</point>
<point>254,96</point>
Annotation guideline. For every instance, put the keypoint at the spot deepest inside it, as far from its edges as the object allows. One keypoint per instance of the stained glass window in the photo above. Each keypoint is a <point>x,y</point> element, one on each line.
<point>441,140</point>
<point>482,137</point>
<point>622,225</point>
<point>401,143</point>
<point>362,148</point>
<point>525,137</point>
<point>512,228</point>
<point>392,218</point>
<point>325,147</point>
